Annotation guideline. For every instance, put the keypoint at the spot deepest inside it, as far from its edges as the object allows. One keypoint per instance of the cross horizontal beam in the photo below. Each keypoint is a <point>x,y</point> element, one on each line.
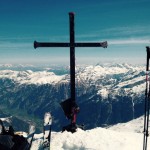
<point>55,44</point>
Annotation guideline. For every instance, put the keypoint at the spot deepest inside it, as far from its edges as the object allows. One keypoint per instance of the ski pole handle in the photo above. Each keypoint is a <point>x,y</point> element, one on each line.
<point>148,57</point>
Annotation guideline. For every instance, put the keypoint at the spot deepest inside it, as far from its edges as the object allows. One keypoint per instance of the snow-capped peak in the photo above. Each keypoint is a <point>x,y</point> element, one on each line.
<point>30,77</point>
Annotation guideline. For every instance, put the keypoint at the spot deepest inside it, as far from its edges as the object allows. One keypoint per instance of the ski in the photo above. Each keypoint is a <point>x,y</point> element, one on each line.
<point>30,135</point>
<point>47,131</point>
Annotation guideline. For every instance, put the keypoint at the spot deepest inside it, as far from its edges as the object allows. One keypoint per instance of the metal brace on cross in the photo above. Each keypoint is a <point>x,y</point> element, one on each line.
<point>72,44</point>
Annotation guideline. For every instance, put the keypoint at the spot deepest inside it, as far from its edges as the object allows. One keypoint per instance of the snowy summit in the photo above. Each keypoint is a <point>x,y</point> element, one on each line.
<point>125,136</point>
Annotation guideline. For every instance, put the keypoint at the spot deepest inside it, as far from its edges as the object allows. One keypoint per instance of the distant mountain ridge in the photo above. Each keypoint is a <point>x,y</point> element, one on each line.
<point>106,93</point>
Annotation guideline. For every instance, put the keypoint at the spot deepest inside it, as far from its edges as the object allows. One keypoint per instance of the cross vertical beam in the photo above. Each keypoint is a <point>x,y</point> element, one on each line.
<point>72,57</point>
<point>72,44</point>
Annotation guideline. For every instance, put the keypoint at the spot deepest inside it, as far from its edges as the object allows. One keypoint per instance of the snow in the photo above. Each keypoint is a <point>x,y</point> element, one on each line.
<point>30,77</point>
<point>138,88</point>
<point>7,119</point>
<point>125,136</point>
<point>98,71</point>
<point>103,92</point>
<point>6,65</point>
<point>131,81</point>
<point>135,125</point>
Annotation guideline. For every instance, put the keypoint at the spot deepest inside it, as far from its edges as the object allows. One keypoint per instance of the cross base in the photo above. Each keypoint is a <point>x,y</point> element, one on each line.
<point>72,127</point>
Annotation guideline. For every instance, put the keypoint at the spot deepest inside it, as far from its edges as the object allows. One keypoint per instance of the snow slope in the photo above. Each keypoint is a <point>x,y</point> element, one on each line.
<point>125,136</point>
<point>135,125</point>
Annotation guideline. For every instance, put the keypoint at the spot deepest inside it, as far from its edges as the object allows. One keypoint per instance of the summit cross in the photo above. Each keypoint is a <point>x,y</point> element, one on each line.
<point>72,44</point>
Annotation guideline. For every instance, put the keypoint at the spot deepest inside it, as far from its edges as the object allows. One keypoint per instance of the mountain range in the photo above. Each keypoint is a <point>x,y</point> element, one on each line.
<point>107,94</point>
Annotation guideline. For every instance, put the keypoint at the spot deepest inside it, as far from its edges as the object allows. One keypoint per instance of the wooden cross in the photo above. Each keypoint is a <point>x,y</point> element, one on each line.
<point>72,44</point>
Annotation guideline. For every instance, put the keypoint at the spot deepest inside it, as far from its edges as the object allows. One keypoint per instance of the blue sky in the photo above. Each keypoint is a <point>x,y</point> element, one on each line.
<point>125,24</point>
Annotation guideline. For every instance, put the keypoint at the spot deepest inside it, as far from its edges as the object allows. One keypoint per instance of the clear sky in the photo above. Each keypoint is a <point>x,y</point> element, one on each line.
<point>125,24</point>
